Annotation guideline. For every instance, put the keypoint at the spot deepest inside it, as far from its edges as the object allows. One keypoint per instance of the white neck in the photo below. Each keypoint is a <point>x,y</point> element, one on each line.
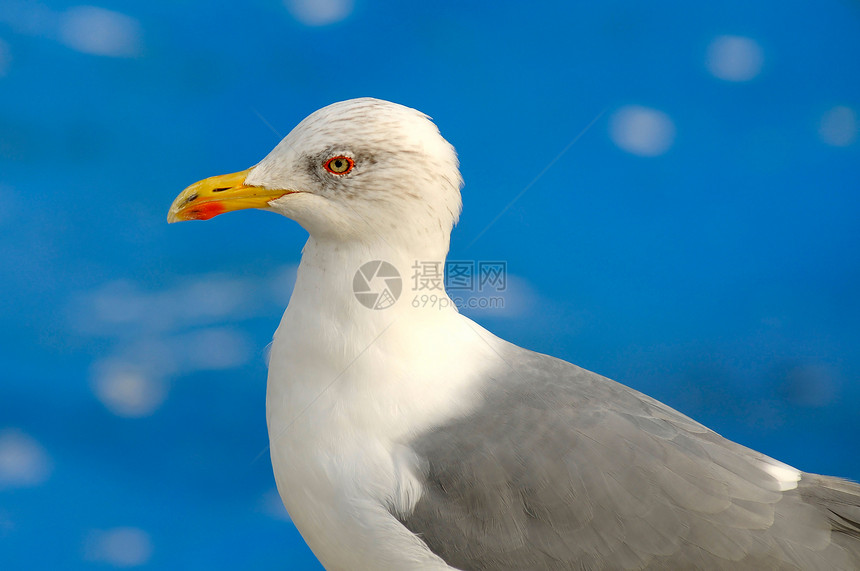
<point>348,385</point>
<point>325,282</point>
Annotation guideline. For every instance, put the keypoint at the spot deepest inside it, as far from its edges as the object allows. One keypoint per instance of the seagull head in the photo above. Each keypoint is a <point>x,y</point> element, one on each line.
<point>360,170</point>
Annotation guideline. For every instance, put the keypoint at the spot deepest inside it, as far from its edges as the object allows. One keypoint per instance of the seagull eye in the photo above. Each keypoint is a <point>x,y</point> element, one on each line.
<point>339,165</point>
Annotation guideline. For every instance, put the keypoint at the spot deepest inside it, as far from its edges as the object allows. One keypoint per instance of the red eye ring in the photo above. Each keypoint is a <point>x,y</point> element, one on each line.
<point>339,165</point>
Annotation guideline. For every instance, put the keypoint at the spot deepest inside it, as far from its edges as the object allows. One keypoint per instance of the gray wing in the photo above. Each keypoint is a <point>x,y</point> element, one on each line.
<point>561,468</point>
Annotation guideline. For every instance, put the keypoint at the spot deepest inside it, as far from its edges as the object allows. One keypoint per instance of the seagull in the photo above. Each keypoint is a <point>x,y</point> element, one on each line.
<point>403,435</point>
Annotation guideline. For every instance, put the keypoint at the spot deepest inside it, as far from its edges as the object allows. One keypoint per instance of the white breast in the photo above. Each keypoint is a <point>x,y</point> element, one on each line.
<point>347,388</point>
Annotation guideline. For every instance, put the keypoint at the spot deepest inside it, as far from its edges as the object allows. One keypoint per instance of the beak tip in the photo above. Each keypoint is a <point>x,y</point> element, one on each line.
<point>200,201</point>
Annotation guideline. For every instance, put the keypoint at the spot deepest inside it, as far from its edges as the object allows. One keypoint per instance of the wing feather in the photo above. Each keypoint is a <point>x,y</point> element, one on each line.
<point>563,468</point>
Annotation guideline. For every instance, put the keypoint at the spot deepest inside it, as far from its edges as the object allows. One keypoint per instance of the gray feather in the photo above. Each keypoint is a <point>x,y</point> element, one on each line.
<point>561,468</point>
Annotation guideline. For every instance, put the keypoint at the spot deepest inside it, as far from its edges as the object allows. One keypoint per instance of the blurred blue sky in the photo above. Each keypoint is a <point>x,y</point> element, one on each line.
<point>700,242</point>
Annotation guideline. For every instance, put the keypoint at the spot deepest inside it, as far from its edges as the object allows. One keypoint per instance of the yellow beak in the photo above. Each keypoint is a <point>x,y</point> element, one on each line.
<point>219,194</point>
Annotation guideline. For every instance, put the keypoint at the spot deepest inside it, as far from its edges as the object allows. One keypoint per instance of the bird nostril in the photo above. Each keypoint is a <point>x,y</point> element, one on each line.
<point>221,189</point>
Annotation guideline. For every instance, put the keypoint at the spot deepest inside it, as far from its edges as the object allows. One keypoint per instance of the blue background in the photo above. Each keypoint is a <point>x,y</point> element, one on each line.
<point>699,242</point>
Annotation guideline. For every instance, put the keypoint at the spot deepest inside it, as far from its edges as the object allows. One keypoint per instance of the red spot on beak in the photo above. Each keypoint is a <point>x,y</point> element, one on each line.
<point>206,210</point>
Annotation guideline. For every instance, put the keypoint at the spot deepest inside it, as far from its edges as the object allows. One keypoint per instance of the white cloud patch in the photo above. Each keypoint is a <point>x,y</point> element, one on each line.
<point>641,130</point>
<point>127,390</point>
<point>121,307</point>
<point>319,12</point>
<point>515,300</point>
<point>23,461</point>
<point>734,58</point>
<point>282,283</point>
<point>160,334</point>
<point>272,506</point>
<point>120,546</point>
<point>838,127</point>
<point>87,29</point>
<point>97,31</point>
<point>133,381</point>
<point>213,348</point>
